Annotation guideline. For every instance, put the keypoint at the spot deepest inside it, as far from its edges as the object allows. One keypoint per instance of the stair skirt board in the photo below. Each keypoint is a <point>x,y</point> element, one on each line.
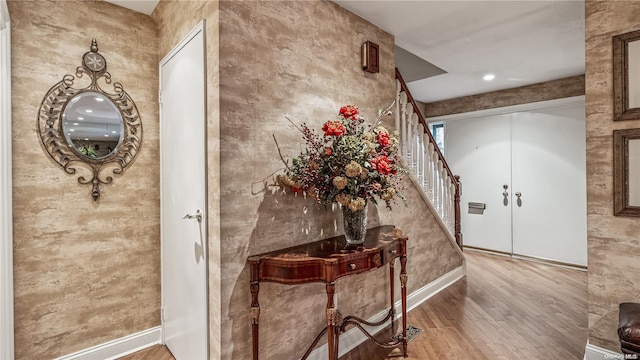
<point>593,352</point>
<point>120,347</point>
<point>348,341</point>
<point>354,337</point>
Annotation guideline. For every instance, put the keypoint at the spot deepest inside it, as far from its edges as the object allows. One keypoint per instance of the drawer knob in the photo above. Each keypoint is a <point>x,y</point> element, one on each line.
<point>352,266</point>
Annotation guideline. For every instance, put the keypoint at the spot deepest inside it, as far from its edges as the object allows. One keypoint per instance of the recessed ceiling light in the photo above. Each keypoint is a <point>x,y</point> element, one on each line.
<point>99,99</point>
<point>106,135</point>
<point>113,132</point>
<point>86,139</point>
<point>72,130</point>
<point>80,118</point>
<point>76,124</point>
<point>88,110</point>
<point>488,77</point>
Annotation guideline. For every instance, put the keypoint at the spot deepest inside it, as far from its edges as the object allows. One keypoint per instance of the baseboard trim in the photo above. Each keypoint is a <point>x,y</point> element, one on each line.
<point>354,337</point>
<point>593,352</point>
<point>120,347</point>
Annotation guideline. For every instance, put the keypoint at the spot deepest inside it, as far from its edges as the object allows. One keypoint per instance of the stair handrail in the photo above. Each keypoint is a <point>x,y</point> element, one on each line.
<point>455,179</point>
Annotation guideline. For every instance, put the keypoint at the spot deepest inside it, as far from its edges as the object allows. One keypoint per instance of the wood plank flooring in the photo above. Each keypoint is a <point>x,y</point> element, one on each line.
<point>157,352</point>
<point>503,309</point>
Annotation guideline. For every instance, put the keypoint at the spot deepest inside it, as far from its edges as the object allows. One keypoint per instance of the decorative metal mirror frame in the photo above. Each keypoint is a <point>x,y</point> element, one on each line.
<point>52,134</point>
<point>621,110</point>
<point>621,206</point>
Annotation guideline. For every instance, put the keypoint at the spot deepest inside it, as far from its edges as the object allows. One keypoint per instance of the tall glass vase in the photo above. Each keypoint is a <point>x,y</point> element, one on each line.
<point>355,224</point>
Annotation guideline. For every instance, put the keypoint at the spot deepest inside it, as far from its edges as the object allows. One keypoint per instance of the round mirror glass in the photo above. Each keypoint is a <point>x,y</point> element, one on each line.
<point>93,125</point>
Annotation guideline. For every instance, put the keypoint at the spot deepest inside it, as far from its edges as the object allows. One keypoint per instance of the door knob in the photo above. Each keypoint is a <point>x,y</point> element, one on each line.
<point>197,216</point>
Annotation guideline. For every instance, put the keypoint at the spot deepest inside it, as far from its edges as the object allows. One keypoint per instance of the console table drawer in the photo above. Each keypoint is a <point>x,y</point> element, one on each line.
<point>355,265</point>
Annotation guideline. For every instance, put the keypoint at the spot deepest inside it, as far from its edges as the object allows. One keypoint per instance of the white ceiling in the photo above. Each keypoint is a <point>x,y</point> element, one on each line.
<point>143,6</point>
<point>520,42</point>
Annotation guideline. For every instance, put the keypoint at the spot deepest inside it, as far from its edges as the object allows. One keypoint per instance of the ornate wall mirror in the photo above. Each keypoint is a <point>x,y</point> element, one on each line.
<point>626,76</point>
<point>626,172</point>
<point>88,130</point>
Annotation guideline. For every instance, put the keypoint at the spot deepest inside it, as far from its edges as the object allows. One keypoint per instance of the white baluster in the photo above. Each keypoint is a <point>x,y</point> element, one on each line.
<point>440,187</point>
<point>446,197</point>
<point>429,174</point>
<point>409,137</point>
<point>434,176</point>
<point>425,153</point>
<point>420,154</point>
<point>403,124</point>
<point>414,143</point>
<point>452,207</point>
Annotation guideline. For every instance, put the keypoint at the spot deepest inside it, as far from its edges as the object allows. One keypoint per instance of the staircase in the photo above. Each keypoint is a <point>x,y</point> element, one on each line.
<point>428,169</point>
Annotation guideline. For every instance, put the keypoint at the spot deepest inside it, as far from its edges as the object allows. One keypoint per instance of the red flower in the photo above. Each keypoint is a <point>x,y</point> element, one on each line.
<point>334,128</point>
<point>381,164</point>
<point>383,138</point>
<point>328,151</point>
<point>349,112</point>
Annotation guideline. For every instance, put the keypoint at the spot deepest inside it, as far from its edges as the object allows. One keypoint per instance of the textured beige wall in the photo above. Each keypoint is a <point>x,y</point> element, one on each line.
<point>556,89</point>
<point>85,272</point>
<point>614,269</point>
<point>298,59</point>
<point>175,20</point>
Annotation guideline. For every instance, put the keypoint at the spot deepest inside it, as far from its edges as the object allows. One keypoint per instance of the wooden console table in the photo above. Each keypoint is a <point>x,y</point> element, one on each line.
<point>326,261</point>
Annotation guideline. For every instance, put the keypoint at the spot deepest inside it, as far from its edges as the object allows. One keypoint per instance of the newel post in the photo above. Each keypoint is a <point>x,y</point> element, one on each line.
<point>457,229</point>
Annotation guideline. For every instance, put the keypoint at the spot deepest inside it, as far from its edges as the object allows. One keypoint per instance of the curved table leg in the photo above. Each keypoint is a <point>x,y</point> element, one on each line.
<point>403,284</point>
<point>393,302</point>
<point>255,317</point>
<point>332,315</point>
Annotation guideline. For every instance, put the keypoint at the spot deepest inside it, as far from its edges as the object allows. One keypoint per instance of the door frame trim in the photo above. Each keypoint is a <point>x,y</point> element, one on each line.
<point>199,28</point>
<point>7,345</point>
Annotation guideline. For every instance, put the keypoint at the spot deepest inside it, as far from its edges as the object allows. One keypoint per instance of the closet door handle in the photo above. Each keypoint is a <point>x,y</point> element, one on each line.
<point>197,216</point>
<point>505,193</point>
<point>519,201</point>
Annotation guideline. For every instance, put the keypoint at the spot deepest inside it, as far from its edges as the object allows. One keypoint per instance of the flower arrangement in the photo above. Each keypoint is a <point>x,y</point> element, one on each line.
<point>351,163</point>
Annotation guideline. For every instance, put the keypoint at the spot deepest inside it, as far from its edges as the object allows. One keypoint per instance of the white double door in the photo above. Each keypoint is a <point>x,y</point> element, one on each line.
<point>528,168</point>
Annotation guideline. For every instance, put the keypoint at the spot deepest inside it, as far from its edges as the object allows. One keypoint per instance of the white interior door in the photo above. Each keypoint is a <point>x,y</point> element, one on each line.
<point>479,151</point>
<point>549,172</point>
<point>183,194</point>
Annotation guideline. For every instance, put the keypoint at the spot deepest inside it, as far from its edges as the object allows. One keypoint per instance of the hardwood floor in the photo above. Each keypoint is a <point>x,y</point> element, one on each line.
<point>503,309</point>
<point>157,352</point>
